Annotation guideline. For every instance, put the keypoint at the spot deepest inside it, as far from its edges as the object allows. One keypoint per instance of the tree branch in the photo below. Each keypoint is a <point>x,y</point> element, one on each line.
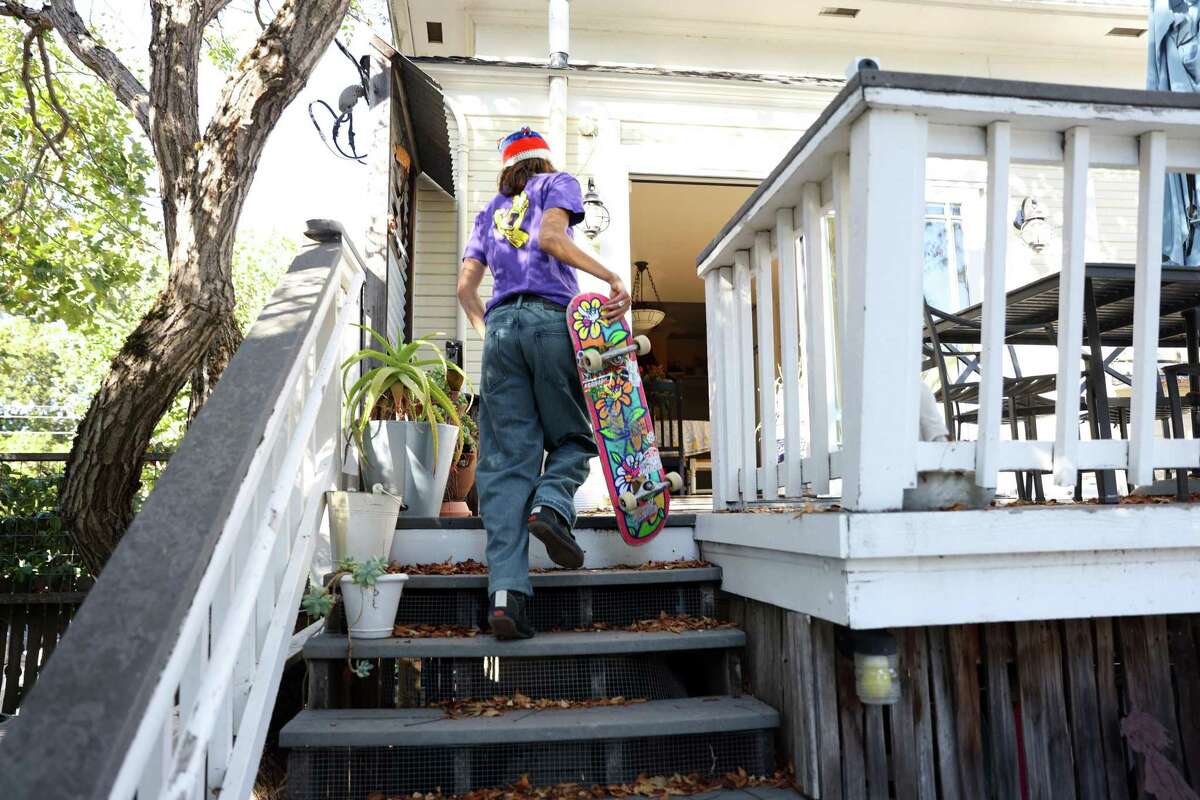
<point>99,59</point>
<point>52,141</point>
<point>266,80</point>
<point>62,16</point>
<point>176,35</point>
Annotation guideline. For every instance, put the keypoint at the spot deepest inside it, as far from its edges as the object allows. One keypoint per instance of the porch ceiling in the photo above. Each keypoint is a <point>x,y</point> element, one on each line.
<point>1084,23</point>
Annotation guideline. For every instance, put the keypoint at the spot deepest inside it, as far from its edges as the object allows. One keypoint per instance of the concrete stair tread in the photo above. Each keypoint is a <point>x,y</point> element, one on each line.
<point>431,728</point>
<point>331,646</point>
<point>570,578</point>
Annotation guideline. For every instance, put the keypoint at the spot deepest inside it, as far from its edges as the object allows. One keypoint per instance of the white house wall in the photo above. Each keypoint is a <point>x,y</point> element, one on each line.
<point>661,126</point>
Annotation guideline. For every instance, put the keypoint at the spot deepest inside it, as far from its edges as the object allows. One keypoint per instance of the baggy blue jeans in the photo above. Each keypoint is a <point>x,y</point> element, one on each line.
<point>531,405</point>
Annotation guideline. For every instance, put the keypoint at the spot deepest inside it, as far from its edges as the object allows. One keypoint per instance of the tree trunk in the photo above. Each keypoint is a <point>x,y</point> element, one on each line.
<point>190,331</point>
<point>204,377</point>
<point>103,472</point>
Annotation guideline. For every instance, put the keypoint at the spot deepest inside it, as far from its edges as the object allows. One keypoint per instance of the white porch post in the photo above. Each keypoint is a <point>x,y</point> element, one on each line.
<point>882,350</point>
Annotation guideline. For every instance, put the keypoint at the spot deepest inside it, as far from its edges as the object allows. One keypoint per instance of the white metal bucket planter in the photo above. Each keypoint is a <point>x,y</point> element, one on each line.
<point>362,524</point>
<point>400,456</point>
<point>371,610</point>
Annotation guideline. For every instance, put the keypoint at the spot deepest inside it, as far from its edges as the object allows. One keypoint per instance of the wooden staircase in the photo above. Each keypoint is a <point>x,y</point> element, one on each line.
<point>593,699</point>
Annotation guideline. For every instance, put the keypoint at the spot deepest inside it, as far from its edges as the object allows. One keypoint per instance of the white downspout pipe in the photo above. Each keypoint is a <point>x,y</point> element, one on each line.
<point>461,175</point>
<point>560,39</point>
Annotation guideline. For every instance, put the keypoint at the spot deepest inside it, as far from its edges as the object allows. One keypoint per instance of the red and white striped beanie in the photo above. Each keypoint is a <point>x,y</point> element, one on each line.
<point>521,145</point>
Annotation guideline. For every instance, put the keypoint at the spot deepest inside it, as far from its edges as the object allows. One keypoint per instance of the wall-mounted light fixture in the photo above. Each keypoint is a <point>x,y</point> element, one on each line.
<point>876,667</point>
<point>1032,226</point>
<point>595,214</point>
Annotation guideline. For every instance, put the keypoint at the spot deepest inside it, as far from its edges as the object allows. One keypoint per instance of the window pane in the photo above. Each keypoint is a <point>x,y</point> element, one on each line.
<point>960,257</point>
<point>937,266</point>
<point>935,209</point>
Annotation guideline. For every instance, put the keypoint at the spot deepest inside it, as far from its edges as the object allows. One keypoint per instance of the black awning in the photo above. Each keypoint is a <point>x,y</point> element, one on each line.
<point>422,103</point>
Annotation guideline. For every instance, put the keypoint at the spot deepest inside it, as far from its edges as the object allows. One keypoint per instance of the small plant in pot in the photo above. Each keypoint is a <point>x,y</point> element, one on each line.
<point>370,594</point>
<point>462,473</point>
<point>405,425</point>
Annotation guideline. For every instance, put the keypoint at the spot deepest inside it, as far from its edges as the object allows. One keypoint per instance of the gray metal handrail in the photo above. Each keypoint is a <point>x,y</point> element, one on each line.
<point>79,724</point>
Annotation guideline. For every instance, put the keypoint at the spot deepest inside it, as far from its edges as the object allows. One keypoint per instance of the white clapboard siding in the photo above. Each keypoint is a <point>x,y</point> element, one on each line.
<point>435,246</point>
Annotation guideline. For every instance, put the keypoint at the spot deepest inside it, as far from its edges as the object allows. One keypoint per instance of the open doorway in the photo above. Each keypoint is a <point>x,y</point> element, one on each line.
<point>671,221</point>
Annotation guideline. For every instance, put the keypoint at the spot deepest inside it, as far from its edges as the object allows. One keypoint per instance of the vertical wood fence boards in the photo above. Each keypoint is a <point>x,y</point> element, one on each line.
<point>34,612</point>
<point>984,709</point>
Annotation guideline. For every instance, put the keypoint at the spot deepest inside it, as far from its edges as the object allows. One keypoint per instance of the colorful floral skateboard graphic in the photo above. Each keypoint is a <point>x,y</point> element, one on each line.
<point>606,357</point>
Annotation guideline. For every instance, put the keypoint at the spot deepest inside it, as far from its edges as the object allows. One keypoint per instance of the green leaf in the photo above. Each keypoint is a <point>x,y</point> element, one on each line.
<point>317,603</point>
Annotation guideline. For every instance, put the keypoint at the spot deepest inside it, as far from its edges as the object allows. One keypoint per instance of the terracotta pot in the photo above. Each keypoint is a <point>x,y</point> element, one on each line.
<point>455,508</point>
<point>462,476</point>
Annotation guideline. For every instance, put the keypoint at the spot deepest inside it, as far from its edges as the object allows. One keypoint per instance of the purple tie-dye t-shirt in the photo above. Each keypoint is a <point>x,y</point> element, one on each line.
<point>505,238</point>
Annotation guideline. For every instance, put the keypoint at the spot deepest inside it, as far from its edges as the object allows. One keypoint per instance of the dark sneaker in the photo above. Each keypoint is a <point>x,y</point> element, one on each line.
<point>553,531</point>
<point>506,616</point>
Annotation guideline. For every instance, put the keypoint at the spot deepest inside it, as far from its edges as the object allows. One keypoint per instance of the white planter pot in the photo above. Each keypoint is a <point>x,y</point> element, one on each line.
<point>361,524</point>
<point>371,610</point>
<point>400,456</point>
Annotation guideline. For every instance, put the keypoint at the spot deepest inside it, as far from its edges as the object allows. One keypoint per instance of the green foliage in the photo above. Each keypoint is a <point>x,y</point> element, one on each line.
<point>54,370</point>
<point>367,574</point>
<point>400,387</point>
<point>29,491</point>
<point>74,229</point>
<point>318,602</point>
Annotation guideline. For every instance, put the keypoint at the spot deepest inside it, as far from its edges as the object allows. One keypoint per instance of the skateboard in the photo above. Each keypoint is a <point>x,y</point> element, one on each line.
<point>606,357</point>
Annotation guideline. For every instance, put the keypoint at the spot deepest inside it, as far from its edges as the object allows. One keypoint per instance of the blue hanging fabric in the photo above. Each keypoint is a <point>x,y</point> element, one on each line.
<point>1174,66</point>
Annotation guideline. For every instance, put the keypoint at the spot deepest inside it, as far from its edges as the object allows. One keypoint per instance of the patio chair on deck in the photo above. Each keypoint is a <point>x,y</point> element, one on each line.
<point>666,409</point>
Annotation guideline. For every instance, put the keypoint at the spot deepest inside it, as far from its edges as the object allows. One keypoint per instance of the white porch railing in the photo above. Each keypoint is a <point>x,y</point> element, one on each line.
<point>165,683</point>
<point>841,220</point>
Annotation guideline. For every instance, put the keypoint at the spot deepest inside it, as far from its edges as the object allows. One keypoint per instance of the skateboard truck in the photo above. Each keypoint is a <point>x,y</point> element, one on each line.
<point>594,359</point>
<point>629,500</point>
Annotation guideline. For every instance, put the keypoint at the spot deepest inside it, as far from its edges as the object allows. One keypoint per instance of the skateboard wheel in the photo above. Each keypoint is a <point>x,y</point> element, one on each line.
<point>592,360</point>
<point>675,482</point>
<point>628,502</point>
<point>643,345</point>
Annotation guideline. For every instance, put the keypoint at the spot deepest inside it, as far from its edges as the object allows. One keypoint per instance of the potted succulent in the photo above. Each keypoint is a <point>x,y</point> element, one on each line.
<point>370,592</point>
<point>406,426</point>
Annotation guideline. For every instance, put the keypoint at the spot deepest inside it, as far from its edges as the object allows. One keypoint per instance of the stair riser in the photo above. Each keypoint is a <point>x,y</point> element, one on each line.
<point>602,548</point>
<point>423,682</point>
<point>344,773</point>
<point>557,608</point>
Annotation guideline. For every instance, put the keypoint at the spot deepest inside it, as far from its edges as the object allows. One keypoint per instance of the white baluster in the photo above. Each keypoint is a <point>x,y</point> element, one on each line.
<point>817,353</point>
<point>1152,157</point>
<point>743,342</point>
<point>731,429</point>
<point>789,350</point>
<point>717,378</point>
<point>841,219</point>
<point>1070,305</point>
<point>882,342</point>
<point>991,361</point>
<point>765,295</point>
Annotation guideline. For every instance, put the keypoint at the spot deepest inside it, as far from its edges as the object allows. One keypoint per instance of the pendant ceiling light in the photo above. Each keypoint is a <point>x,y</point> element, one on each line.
<point>646,315</point>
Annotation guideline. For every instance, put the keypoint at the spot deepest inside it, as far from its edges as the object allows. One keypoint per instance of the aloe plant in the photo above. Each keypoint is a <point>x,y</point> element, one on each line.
<point>399,386</point>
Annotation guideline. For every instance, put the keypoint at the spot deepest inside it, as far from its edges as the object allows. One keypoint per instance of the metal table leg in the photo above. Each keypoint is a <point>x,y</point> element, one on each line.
<point>1101,424</point>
